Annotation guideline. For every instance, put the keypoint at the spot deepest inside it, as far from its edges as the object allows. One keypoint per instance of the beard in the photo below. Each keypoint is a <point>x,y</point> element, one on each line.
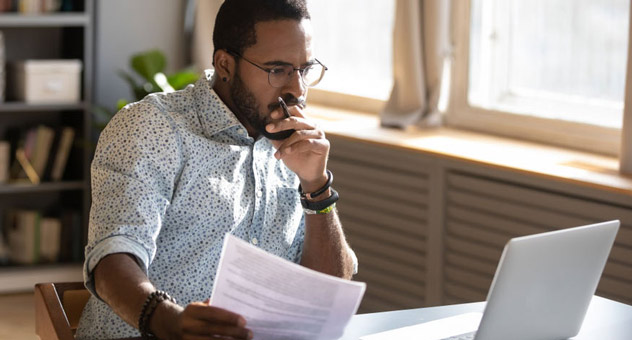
<point>247,105</point>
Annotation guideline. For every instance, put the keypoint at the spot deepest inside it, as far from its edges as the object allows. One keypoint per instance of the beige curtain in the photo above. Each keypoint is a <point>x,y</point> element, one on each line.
<point>625,158</point>
<point>202,41</point>
<point>421,45</point>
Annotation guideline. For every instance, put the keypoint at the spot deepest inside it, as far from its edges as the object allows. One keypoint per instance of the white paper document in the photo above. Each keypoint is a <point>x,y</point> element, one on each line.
<point>282,300</point>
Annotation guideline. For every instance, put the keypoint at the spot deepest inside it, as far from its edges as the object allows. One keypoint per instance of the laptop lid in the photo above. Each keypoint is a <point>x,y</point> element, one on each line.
<point>544,283</point>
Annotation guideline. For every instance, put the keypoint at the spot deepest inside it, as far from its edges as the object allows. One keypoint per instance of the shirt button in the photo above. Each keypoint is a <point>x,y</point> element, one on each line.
<point>254,241</point>
<point>258,194</point>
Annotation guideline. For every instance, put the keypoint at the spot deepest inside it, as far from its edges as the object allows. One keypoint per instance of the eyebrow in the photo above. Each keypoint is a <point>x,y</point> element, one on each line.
<point>284,63</point>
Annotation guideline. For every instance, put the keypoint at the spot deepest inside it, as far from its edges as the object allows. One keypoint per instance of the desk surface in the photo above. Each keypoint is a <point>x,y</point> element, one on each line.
<point>605,320</point>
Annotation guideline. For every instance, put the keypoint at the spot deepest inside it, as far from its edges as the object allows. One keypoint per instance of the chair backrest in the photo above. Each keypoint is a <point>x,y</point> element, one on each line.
<point>58,307</point>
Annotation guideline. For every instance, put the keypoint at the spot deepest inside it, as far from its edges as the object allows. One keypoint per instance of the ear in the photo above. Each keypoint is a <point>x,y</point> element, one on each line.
<point>224,64</point>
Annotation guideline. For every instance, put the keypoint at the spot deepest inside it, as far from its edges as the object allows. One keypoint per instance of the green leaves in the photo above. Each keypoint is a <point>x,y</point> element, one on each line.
<point>182,79</point>
<point>121,103</point>
<point>147,64</point>
<point>150,66</point>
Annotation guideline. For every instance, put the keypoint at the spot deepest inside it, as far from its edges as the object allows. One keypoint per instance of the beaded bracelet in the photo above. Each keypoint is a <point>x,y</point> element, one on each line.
<point>152,301</point>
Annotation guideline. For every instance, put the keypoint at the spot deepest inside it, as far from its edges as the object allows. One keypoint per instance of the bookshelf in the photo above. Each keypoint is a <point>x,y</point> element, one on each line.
<point>62,35</point>
<point>23,188</point>
<point>11,20</point>
<point>10,107</point>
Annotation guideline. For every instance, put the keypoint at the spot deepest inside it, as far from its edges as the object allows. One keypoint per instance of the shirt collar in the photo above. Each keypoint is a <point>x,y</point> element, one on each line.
<point>214,115</point>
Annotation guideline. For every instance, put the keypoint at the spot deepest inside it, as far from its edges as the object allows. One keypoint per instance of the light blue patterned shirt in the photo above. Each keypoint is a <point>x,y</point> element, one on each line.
<point>172,174</point>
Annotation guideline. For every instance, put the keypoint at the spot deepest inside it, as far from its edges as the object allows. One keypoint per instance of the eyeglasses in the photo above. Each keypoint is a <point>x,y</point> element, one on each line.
<point>279,76</point>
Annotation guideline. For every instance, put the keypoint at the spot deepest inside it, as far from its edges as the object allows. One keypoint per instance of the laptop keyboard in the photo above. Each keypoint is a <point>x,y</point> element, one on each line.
<point>465,336</point>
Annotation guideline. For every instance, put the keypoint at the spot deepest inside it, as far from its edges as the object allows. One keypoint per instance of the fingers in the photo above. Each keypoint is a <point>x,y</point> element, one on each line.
<point>313,141</point>
<point>198,329</point>
<point>304,128</point>
<point>294,122</point>
<point>214,314</point>
<point>308,137</point>
<point>199,320</point>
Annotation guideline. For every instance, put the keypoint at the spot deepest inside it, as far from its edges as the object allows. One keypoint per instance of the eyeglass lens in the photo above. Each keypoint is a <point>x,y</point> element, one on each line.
<point>311,75</point>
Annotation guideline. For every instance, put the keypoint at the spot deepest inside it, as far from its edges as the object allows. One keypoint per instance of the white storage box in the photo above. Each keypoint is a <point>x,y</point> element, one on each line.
<point>48,81</point>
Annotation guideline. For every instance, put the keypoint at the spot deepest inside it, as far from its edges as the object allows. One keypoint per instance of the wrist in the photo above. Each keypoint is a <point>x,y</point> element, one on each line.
<point>165,321</point>
<point>320,201</point>
<point>314,185</point>
<point>147,323</point>
<point>324,195</point>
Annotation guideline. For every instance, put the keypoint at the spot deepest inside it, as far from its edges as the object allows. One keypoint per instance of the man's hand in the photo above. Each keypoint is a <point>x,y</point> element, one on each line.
<point>305,152</point>
<point>199,320</point>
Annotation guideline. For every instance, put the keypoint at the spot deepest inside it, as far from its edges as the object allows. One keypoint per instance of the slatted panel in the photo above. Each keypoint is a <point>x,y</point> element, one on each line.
<point>483,214</point>
<point>383,209</point>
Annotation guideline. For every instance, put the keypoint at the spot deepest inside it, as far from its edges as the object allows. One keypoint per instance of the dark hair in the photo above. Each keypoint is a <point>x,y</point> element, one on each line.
<point>235,23</point>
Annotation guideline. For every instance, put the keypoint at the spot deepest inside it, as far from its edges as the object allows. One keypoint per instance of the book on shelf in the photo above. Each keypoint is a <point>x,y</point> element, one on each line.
<point>4,250</point>
<point>28,6</point>
<point>5,160</point>
<point>23,236</point>
<point>38,6</point>
<point>6,5</point>
<point>23,167</point>
<point>33,238</point>
<point>59,156</point>
<point>50,239</point>
<point>41,153</point>
<point>2,64</point>
<point>59,151</point>
<point>35,6</point>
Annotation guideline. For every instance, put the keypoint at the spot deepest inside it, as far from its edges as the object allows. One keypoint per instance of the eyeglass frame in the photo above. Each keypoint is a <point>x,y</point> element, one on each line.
<point>300,70</point>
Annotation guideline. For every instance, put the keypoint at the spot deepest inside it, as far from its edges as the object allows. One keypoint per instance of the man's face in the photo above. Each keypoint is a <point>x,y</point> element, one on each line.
<point>285,42</point>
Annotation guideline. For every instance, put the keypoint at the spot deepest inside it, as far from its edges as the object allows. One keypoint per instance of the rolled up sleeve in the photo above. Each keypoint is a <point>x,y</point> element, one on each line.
<point>133,177</point>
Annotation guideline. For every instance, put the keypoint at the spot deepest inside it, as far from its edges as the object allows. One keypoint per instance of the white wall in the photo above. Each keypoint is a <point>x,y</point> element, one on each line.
<point>126,27</point>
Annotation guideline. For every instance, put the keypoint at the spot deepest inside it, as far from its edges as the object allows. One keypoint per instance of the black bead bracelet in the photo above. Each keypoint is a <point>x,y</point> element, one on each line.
<point>152,301</point>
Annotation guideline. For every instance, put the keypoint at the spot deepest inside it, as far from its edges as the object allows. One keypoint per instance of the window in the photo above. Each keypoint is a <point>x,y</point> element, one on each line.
<point>353,38</point>
<point>546,70</point>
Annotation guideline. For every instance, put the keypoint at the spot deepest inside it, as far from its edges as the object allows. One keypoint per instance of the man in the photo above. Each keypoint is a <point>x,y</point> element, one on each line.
<point>175,172</point>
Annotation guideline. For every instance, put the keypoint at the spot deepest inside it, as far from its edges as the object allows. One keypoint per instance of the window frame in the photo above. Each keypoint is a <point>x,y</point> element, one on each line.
<point>460,114</point>
<point>361,102</point>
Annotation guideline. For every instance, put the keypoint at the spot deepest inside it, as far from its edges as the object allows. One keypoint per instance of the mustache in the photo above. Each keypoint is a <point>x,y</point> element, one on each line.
<point>289,101</point>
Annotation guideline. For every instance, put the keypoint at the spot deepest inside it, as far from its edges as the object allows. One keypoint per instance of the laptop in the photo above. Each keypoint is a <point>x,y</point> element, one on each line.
<point>541,290</point>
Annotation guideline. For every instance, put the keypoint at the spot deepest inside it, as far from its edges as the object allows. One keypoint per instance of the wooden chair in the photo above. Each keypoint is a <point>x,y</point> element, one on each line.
<point>58,307</point>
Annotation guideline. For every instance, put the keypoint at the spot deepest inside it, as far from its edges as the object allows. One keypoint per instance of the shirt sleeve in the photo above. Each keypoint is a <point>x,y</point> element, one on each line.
<point>133,175</point>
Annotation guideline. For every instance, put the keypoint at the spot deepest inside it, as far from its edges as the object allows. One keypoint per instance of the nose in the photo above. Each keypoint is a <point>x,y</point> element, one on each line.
<point>295,85</point>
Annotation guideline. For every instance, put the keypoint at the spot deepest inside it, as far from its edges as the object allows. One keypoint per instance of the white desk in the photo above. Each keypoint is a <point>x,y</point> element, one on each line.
<point>605,320</point>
